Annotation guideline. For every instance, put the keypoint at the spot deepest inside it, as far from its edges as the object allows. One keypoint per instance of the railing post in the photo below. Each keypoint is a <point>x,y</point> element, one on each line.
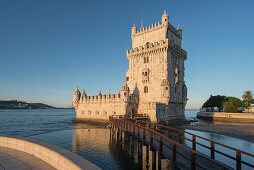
<point>170,131</point>
<point>194,142</point>
<point>144,134</point>
<point>138,130</point>
<point>193,161</point>
<point>212,150</point>
<point>151,137</point>
<point>174,151</point>
<point>134,131</point>
<point>161,143</point>
<point>238,160</point>
<point>180,137</point>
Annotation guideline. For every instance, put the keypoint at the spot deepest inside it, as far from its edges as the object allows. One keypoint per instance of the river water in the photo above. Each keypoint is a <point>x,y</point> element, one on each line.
<point>96,145</point>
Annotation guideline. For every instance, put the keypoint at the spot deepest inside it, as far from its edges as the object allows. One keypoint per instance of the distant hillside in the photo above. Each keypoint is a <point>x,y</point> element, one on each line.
<point>16,104</point>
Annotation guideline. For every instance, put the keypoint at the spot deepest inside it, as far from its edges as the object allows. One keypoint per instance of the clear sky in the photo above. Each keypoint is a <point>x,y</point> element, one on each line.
<point>49,46</point>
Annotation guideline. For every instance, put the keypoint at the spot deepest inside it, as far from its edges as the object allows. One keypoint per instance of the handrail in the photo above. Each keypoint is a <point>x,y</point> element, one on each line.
<point>129,126</point>
<point>212,143</point>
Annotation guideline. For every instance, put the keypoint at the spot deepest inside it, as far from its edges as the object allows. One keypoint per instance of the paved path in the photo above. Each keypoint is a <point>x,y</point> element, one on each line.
<point>11,159</point>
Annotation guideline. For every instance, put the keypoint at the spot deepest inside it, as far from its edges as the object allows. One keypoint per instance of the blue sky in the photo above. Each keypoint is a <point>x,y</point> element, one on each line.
<point>49,46</point>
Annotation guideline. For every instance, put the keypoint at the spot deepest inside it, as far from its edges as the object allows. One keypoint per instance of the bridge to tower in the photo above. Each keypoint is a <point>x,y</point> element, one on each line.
<point>178,146</point>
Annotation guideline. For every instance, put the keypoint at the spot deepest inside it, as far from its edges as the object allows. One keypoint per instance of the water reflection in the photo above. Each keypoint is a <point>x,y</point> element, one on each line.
<point>110,152</point>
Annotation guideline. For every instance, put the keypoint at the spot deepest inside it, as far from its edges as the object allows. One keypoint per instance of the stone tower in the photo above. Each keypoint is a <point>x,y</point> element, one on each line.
<point>156,70</point>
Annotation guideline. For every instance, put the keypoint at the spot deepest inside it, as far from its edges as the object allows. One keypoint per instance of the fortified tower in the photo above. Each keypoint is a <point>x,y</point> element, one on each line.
<point>156,70</point>
<point>154,83</point>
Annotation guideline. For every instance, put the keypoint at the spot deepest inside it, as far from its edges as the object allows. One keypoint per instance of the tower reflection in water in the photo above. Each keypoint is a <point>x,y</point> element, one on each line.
<point>111,150</point>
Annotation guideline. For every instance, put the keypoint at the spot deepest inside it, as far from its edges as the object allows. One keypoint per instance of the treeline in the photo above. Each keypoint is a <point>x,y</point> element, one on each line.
<point>230,104</point>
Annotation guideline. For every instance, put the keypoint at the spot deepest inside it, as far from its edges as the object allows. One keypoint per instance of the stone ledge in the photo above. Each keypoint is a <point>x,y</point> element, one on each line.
<point>91,121</point>
<point>57,157</point>
<point>239,117</point>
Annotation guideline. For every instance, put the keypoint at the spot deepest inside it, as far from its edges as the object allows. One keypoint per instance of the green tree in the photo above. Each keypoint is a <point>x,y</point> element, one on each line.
<point>236,102</point>
<point>215,101</point>
<point>229,107</point>
<point>247,98</point>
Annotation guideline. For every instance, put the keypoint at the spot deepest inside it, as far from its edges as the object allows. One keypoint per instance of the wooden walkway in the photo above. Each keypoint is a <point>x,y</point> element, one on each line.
<point>169,142</point>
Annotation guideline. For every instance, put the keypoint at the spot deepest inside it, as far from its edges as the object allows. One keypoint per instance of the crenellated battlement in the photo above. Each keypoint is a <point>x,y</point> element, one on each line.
<point>148,28</point>
<point>101,98</point>
<point>156,45</point>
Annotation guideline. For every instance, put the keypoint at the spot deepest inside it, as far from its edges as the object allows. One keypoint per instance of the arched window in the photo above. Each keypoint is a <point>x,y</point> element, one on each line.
<point>146,59</point>
<point>145,89</point>
<point>147,44</point>
<point>125,93</point>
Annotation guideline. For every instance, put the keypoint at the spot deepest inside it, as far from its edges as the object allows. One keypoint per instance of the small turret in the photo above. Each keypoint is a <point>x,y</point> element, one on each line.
<point>83,95</point>
<point>133,30</point>
<point>180,31</point>
<point>125,90</point>
<point>76,97</point>
<point>164,19</point>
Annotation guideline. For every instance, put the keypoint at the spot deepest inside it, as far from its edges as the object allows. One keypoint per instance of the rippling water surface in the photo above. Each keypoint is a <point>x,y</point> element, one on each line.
<point>96,145</point>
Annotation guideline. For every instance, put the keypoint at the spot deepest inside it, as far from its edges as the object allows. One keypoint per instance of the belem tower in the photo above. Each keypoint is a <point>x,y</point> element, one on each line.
<point>154,83</point>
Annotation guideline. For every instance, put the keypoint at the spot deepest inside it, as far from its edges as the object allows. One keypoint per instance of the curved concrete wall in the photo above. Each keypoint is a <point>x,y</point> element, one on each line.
<point>51,154</point>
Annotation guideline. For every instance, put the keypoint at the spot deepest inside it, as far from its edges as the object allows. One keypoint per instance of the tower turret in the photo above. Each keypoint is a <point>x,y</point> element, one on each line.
<point>76,97</point>
<point>83,94</point>
<point>125,90</point>
<point>164,19</point>
<point>180,31</point>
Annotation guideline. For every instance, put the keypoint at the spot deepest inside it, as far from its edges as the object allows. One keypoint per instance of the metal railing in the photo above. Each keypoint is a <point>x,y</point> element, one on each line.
<point>170,131</point>
<point>145,129</point>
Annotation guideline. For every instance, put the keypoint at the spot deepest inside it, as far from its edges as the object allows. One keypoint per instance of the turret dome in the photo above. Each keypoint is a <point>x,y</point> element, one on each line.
<point>76,90</point>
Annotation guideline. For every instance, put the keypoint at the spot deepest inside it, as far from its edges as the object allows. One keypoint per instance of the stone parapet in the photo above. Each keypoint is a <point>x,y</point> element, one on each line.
<point>51,154</point>
<point>101,98</point>
<point>156,45</point>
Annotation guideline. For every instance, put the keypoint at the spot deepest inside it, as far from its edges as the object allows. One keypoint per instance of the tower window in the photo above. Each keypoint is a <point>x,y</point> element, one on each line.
<point>145,89</point>
<point>125,93</point>
<point>146,59</point>
<point>127,78</point>
<point>147,44</point>
<point>166,88</point>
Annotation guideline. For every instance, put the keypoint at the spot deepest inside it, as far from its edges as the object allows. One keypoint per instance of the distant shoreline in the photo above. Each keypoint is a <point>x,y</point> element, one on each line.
<point>17,104</point>
<point>33,109</point>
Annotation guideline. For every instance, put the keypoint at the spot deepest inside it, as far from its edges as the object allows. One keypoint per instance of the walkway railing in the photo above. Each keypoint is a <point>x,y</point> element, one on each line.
<point>178,133</point>
<point>172,137</point>
<point>164,143</point>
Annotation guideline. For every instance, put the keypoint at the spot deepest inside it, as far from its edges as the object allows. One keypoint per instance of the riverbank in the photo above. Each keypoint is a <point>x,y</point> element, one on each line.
<point>244,132</point>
